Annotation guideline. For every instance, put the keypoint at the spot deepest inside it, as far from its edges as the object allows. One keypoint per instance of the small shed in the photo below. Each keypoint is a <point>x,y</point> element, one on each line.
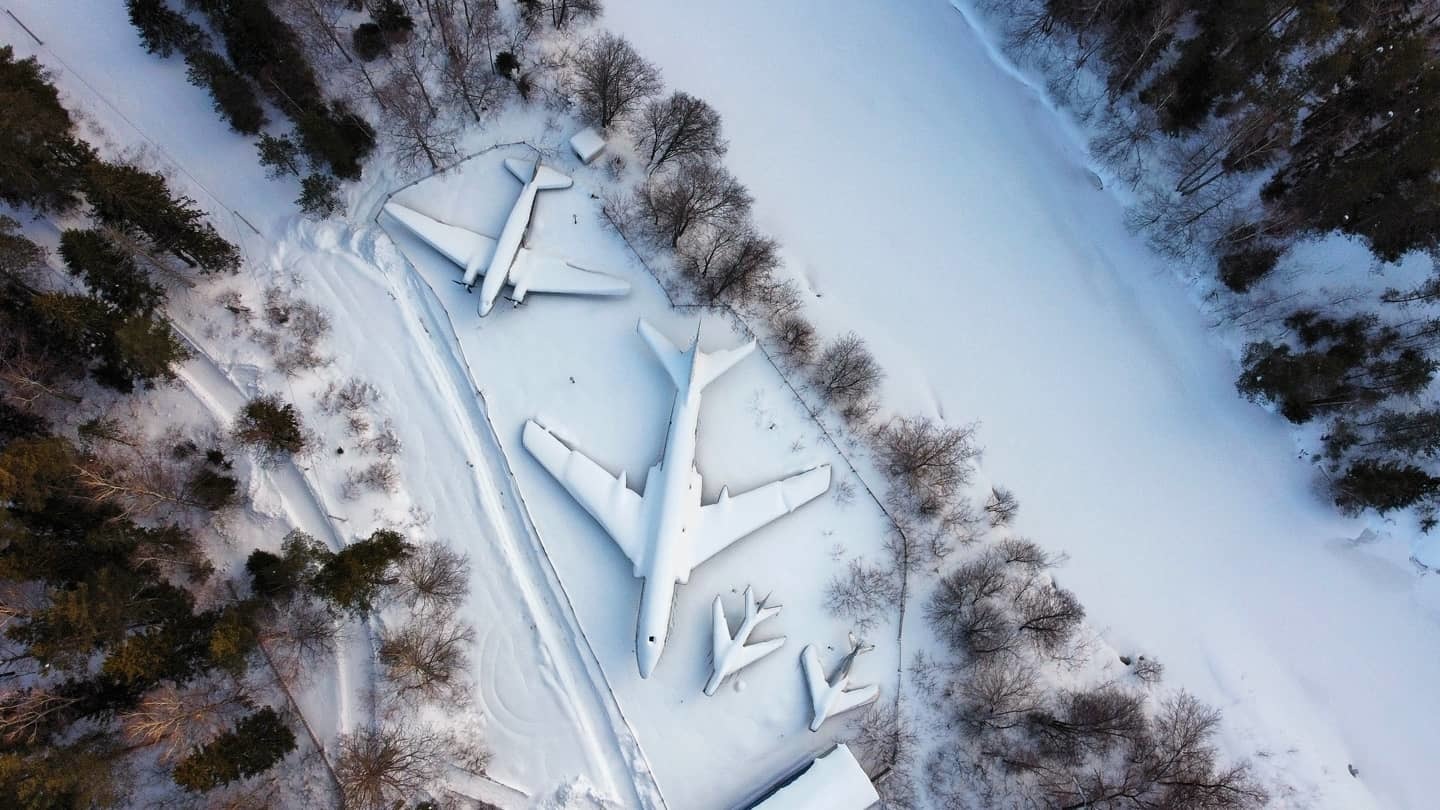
<point>834,781</point>
<point>588,144</point>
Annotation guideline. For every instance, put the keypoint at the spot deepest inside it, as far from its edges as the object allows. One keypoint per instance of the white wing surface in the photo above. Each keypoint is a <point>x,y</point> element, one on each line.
<point>731,518</point>
<point>616,507</point>
<point>457,244</point>
<point>534,271</point>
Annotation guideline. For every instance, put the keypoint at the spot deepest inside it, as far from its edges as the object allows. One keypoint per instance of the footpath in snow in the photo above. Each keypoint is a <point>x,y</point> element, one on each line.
<point>938,206</point>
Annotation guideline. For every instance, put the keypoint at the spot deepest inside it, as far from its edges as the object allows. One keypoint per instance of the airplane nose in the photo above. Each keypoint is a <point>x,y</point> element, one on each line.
<point>647,654</point>
<point>485,307</point>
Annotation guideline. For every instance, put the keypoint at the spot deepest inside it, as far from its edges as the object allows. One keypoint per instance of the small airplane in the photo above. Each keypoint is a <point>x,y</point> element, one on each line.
<point>667,533</point>
<point>504,260</point>
<point>731,653</point>
<point>829,697</point>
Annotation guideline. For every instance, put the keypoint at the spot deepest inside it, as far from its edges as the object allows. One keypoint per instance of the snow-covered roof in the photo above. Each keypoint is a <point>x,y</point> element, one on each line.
<point>588,144</point>
<point>835,781</point>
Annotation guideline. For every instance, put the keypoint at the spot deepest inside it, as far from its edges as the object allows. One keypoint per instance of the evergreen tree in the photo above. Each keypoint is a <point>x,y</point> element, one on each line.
<point>353,578</point>
<point>279,577</point>
<point>279,154</point>
<point>256,744</point>
<point>1383,486</point>
<point>162,30</point>
<point>129,198</point>
<point>234,98</point>
<point>335,137</point>
<point>319,195</point>
<point>109,272</point>
<point>369,42</point>
<point>271,425</point>
<point>41,162</point>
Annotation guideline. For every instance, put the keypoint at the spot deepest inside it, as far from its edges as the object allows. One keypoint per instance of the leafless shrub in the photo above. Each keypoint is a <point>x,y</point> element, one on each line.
<point>350,396</point>
<point>1148,671</point>
<point>611,79</point>
<point>847,373</point>
<point>1048,615</point>
<point>356,424</point>
<point>1002,505</point>
<point>676,127</point>
<point>796,337</point>
<point>862,594</point>
<point>176,719</point>
<point>468,751</point>
<point>385,443</point>
<point>435,577</point>
<point>998,694</point>
<point>381,476</point>
<point>700,193</point>
<point>385,767</point>
<point>843,492</point>
<point>296,328</point>
<point>930,461</point>
<point>427,656</point>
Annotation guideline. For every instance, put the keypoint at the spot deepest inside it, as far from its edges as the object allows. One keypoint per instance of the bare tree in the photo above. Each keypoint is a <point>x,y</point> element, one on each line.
<point>612,79</point>
<point>998,694</point>
<point>931,461</point>
<point>426,656</point>
<point>1024,553</point>
<point>965,613</point>
<point>1048,615</point>
<point>1148,671</point>
<point>302,633</point>
<point>32,714</point>
<point>847,372</point>
<point>384,767</point>
<point>469,31</point>
<point>176,719</point>
<point>730,262</point>
<point>413,121</point>
<point>560,13</point>
<point>796,337</point>
<point>1002,506</point>
<point>862,594</point>
<point>435,577</point>
<point>676,127</point>
<point>700,193</point>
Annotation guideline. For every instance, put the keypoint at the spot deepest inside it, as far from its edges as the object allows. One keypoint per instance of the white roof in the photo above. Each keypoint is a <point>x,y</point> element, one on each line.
<point>833,782</point>
<point>588,144</point>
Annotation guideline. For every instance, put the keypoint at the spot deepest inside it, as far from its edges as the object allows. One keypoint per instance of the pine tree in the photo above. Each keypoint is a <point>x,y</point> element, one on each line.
<point>1383,486</point>
<point>109,272</point>
<point>234,98</point>
<point>279,154</point>
<point>256,744</point>
<point>130,198</point>
<point>271,425</point>
<point>162,30</point>
<point>41,162</point>
<point>319,195</point>
<point>353,578</point>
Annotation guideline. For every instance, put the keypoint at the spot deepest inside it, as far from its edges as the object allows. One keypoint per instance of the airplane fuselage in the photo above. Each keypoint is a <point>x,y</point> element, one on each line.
<point>507,246</point>
<point>668,559</point>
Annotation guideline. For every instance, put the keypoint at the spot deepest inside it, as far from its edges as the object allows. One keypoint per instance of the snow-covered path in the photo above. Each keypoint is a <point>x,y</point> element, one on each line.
<point>945,212</point>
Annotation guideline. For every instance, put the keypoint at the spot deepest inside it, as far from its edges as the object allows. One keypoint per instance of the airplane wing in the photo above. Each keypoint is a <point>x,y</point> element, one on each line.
<point>750,653</point>
<point>534,271</point>
<point>731,518</point>
<point>453,242</point>
<point>852,698</point>
<point>616,507</point>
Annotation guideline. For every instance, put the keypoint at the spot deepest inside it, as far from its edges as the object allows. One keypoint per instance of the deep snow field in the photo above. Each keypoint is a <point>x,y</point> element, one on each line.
<point>932,201</point>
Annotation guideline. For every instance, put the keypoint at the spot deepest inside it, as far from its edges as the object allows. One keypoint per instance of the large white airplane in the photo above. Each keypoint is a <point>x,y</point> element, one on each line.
<point>829,696</point>
<point>667,533</point>
<point>503,260</point>
<point>732,653</point>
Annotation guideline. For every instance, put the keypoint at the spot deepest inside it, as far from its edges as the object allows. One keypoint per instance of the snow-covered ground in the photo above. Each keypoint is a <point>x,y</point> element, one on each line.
<point>937,205</point>
<point>943,210</point>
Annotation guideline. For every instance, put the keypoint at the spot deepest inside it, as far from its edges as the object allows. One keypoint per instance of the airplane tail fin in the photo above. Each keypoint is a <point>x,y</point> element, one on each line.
<point>691,369</point>
<point>548,178</point>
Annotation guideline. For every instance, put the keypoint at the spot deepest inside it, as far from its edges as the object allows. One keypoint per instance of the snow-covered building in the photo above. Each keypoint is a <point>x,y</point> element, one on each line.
<point>588,144</point>
<point>833,781</point>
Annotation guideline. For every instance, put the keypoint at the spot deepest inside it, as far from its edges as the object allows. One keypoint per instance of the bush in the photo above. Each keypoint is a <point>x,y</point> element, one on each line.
<point>271,426</point>
<point>1240,269</point>
<point>369,42</point>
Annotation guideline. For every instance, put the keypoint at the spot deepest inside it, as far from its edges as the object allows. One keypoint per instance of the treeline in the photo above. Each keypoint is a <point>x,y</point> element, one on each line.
<point>1270,122</point>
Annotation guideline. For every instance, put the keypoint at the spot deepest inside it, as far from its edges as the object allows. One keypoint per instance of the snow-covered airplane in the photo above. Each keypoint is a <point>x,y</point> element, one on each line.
<point>731,653</point>
<point>667,533</point>
<point>829,696</point>
<point>504,260</point>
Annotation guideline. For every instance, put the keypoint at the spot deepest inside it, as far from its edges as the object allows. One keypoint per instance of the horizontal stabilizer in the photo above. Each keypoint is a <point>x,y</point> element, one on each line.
<point>691,369</point>
<point>548,178</point>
